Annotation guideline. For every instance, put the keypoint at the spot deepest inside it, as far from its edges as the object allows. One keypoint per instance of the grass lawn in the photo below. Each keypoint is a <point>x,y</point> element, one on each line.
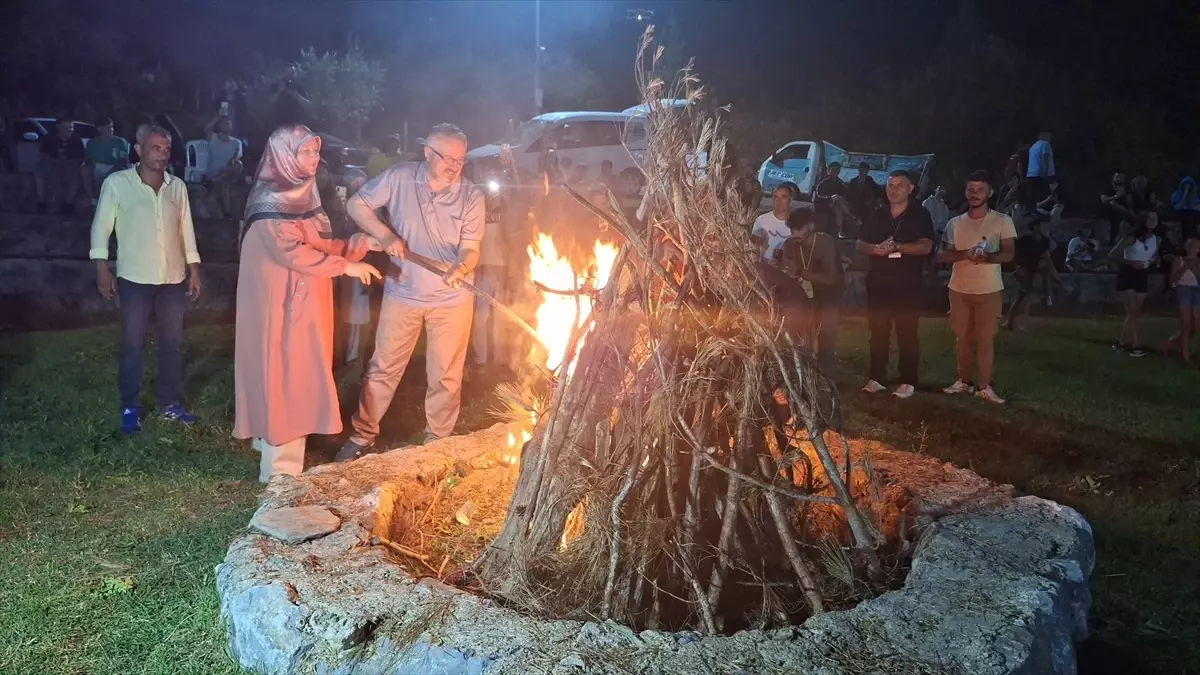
<point>107,545</point>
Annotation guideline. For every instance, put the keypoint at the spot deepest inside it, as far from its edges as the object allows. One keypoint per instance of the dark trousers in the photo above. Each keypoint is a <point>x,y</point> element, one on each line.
<point>167,302</point>
<point>885,313</point>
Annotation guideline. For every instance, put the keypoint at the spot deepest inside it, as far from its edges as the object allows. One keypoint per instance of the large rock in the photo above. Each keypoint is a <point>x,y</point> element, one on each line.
<point>296,524</point>
<point>998,586</point>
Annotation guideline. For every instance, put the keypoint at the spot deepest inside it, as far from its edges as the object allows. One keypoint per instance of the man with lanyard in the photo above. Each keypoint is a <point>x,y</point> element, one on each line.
<point>898,240</point>
<point>813,257</point>
<point>435,214</point>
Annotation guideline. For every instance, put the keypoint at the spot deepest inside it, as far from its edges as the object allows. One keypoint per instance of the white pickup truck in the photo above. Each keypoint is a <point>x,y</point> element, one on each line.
<point>801,164</point>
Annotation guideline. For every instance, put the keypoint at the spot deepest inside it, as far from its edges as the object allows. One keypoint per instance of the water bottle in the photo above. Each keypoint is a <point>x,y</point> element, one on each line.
<point>980,249</point>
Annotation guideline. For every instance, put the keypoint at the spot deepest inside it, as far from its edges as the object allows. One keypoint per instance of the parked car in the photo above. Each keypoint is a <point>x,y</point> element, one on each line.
<point>342,156</point>
<point>801,164</point>
<point>28,133</point>
<point>598,140</point>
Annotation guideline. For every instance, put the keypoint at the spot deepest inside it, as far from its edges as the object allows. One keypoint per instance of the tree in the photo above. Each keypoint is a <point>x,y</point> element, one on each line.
<point>343,86</point>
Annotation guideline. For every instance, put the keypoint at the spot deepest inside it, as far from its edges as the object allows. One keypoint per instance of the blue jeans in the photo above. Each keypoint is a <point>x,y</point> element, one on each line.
<point>167,302</point>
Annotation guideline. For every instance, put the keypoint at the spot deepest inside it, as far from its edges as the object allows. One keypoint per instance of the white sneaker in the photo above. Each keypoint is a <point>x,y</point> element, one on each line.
<point>904,391</point>
<point>959,387</point>
<point>873,387</point>
<point>989,395</point>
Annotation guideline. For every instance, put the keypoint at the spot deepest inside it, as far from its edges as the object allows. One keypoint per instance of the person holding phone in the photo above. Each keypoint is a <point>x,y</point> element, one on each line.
<point>224,169</point>
<point>1139,251</point>
<point>231,103</point>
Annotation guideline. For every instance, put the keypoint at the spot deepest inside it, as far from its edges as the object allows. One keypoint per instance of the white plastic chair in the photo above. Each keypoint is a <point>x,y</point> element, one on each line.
<point>197,161</point>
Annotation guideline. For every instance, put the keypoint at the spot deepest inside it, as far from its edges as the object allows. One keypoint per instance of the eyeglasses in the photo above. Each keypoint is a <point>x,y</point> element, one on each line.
<point>452,162</point>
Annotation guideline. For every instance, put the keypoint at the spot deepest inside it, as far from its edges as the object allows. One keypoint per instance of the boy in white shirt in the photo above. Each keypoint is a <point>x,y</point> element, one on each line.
<point>770,229</point>
<point>977,243</point>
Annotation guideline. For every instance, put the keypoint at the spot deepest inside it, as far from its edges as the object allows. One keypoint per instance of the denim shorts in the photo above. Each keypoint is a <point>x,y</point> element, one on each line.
<point>1188,296</point>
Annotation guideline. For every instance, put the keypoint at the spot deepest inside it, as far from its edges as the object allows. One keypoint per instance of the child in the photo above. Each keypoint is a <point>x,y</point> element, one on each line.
<point>1185,277</point>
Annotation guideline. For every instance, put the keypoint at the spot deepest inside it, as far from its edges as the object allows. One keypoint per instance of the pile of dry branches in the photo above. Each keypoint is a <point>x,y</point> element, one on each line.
<point>663,470</point>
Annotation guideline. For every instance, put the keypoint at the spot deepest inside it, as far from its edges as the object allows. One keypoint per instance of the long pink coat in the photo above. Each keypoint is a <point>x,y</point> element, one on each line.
<point>283,355</point>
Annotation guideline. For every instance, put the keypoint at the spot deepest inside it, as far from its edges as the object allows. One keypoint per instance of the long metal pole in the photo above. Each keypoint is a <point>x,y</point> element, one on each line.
<point>537,57</point>
<point>440,268</point>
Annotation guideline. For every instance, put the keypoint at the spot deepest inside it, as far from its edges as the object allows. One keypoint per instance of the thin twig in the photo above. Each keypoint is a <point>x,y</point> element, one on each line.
<point>769,487</point>
<point>403,550</point>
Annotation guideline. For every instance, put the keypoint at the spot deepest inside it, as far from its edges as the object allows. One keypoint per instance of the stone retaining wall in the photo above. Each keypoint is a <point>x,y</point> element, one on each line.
<point>998,586</point>
<point>46,279</point>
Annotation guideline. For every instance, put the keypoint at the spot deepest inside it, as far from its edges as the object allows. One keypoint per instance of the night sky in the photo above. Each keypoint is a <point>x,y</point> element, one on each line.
<point>779,60</point>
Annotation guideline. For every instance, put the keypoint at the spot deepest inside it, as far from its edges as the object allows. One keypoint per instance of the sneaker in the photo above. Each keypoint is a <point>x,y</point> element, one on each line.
<point>989,395</point>
<point>176,413</point>
<point>959,387</point>
<point>131,421</point>
<point>904,391</point>
<point>873,387</point>
<point>1118,347</point>
<point>1137,352</point>
<point>430,437</point>
<point>351,451</point>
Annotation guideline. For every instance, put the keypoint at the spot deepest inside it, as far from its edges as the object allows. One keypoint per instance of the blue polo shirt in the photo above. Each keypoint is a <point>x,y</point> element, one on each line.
<point>433,224</point>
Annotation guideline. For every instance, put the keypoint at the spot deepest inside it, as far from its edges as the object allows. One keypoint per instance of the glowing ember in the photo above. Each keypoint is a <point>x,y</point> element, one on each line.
<point>556,316</point>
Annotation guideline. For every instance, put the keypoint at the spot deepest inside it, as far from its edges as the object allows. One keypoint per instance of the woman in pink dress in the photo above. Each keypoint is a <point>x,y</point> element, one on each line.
<point>283,355</point>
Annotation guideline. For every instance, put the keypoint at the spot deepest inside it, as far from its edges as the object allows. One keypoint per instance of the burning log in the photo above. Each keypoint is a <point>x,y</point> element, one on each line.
<point>667,430</point>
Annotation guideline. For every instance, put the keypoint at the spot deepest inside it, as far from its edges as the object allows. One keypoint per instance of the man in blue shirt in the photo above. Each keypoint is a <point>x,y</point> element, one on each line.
<point>435,214</point>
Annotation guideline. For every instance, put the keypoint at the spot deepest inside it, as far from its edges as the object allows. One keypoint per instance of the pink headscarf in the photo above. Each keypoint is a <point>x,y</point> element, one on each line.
<point>281,188</point>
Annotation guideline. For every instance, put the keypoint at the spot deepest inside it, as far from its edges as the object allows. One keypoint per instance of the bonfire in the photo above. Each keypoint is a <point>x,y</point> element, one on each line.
<point>678,447</point>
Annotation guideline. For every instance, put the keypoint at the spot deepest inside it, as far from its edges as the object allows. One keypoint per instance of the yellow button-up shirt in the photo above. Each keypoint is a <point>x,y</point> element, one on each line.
<point>155,240</point>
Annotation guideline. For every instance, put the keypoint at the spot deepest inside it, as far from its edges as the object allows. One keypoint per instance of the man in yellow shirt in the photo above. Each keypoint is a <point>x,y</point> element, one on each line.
<point>387,155</point>
<point>158,270</point>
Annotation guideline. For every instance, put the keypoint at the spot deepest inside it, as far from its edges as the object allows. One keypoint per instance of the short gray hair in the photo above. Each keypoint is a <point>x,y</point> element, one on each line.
<point>446,130</point>
<point>145,131</point>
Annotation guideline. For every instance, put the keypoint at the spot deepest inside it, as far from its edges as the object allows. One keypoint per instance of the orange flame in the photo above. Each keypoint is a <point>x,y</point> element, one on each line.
<point>557,315</point>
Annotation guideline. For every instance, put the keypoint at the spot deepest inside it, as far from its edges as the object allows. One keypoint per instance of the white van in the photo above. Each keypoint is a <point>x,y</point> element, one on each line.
<point>610,144</point>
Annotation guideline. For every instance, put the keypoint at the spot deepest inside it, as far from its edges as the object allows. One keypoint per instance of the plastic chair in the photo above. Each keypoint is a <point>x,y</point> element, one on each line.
<point>197,161</point>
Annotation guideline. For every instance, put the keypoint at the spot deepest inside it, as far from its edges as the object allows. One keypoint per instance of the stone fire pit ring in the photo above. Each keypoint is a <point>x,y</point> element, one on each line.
<point>998,585</point>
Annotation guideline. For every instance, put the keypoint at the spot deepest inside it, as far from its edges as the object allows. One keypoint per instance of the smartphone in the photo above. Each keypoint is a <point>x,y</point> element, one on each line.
<point>224,107</point>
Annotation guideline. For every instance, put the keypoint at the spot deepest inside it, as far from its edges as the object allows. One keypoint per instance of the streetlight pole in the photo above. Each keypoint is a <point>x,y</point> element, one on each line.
<point>537,57</point>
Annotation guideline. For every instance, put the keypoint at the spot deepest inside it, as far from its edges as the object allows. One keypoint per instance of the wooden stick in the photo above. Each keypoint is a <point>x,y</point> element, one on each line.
<point>728,521</point>
<point>769,487</point>
<point>799,563</point>
<point>615,549</point>
<point>402,550</point>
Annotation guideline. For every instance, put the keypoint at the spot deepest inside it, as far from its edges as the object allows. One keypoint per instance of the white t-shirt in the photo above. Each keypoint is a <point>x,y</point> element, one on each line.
<point>220,153</point>
<point>774,230</point>
<point>1140,250</point>
<point>1084,248</point>
<point>964,232</point>
<point>1035,160</point>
